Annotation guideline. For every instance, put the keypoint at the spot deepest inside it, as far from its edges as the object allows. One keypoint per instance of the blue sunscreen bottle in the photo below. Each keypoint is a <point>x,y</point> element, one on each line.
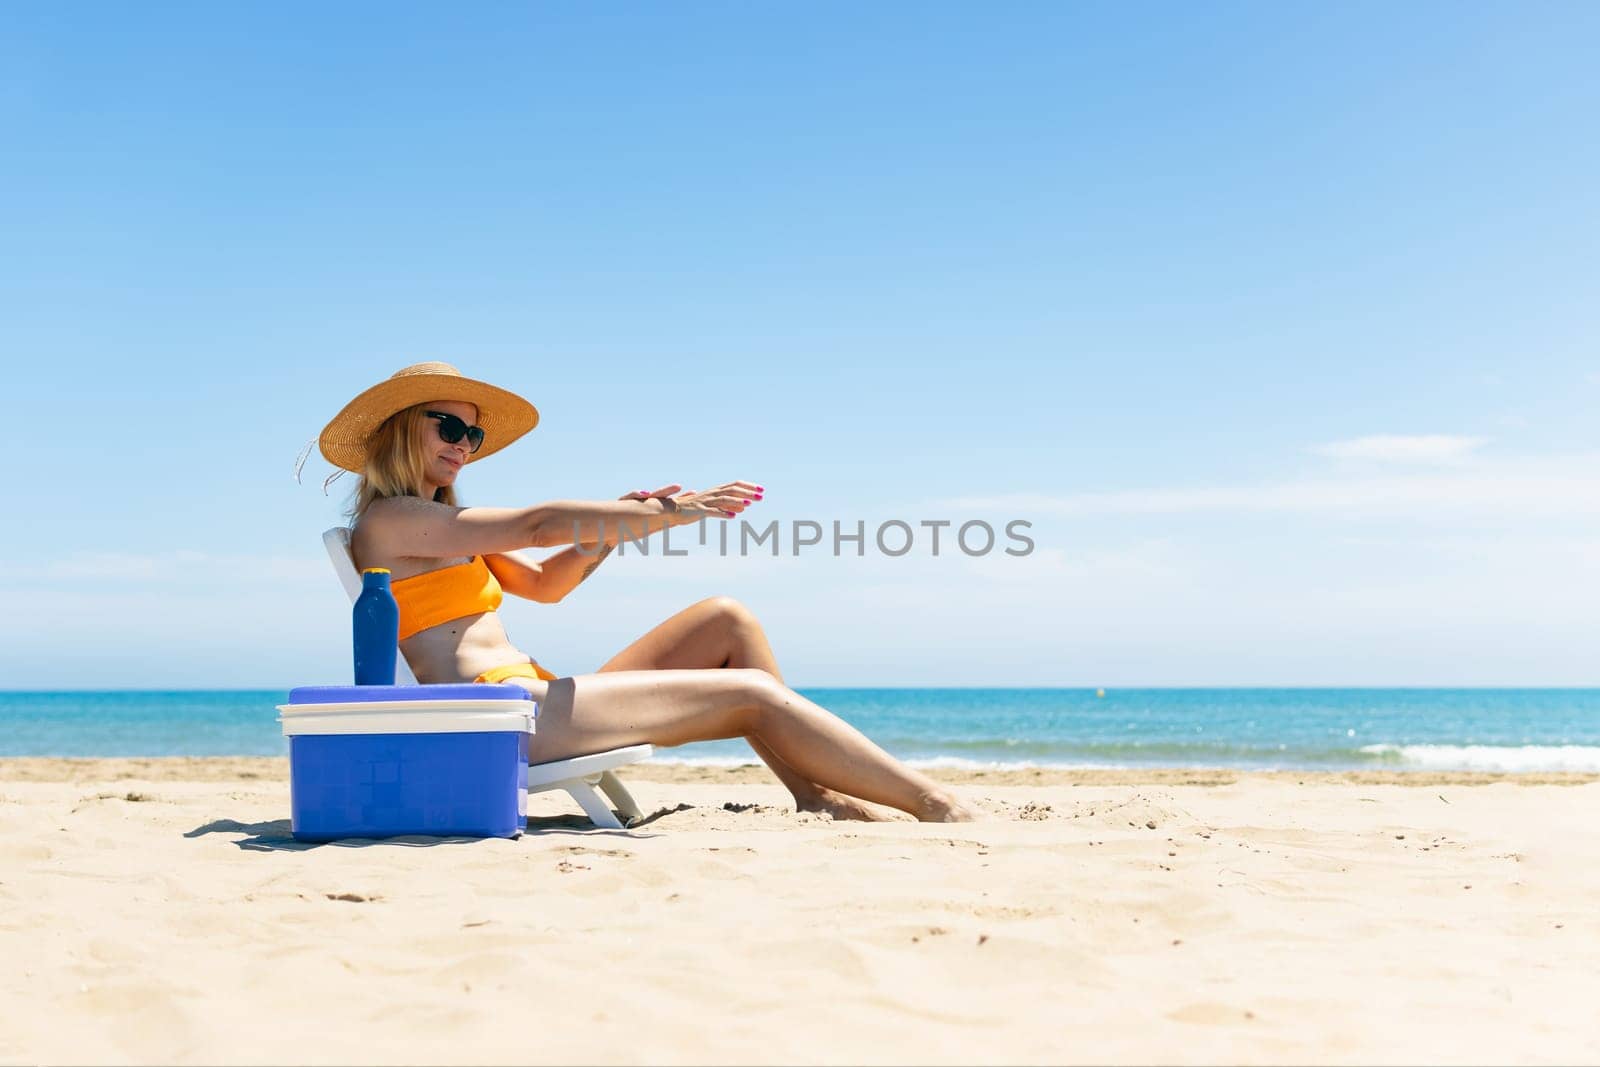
<point>375,627</point>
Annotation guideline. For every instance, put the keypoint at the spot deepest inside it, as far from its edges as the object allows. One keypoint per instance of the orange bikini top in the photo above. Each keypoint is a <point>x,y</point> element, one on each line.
<point>448,593</point>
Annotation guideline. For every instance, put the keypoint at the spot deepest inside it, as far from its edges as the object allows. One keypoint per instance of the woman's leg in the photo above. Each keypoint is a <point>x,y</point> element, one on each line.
<point>595,712</point>
<point>721,632</point>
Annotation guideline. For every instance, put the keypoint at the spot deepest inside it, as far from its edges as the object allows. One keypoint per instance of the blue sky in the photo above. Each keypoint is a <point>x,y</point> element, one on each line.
<point>1279,323</point>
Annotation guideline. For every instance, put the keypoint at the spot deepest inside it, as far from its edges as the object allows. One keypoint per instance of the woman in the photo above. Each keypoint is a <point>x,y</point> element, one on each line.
<point>705,674</point>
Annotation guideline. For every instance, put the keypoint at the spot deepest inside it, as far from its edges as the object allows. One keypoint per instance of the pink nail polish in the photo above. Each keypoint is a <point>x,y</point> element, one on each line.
<point>761,489</point>
<point>747,501</point>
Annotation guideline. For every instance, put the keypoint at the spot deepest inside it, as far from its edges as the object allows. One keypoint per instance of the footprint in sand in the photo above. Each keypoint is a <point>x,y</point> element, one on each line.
<point>580,850</point>
<point>1139,811</point>
<point>1210,1013</point>
<point>154,1021</point>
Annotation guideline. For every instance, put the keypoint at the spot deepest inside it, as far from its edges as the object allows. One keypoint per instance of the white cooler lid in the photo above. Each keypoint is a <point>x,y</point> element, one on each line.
<point>407,717</point>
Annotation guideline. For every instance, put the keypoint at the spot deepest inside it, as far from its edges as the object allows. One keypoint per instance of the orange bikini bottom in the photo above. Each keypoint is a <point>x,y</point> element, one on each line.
<point>516,670</point>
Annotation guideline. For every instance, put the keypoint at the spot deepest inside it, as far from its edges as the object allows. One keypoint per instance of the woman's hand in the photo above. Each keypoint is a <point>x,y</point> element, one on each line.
<point>684,507</point>
<point>645,494</point>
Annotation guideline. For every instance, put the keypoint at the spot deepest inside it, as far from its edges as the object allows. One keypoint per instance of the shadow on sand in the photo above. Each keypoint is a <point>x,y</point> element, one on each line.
<point>277,836</point>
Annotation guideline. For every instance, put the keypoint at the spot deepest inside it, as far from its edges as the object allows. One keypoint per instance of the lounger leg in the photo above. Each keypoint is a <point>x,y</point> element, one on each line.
<point>621,799</point>
<point>592,805</point>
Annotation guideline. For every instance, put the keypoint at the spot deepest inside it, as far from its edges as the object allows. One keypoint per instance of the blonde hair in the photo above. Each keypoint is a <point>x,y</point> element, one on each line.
<point>396,460</point>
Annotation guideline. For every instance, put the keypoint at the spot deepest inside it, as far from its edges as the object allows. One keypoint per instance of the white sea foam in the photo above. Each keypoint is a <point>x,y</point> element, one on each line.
<point>933,762</point>
<point>1489,757</point>
<point>961,764</point>
<point>664,755</point>
<point>1504,758</point>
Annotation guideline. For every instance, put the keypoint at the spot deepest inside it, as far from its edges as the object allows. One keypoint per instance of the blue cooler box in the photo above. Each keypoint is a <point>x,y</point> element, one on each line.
<point>383,760</point>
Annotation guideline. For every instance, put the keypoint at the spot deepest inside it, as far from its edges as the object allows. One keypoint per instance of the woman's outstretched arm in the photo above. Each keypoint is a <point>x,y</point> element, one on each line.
<point>582,522</point>
<point>411,526</point>
<point>551,579</point>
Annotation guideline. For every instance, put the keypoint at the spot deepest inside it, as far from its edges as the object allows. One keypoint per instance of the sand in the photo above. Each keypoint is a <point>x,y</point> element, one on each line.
<point>157,911</point>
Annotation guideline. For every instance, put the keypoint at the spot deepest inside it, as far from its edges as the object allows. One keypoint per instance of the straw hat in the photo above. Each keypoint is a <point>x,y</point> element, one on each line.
<point>504,416</point>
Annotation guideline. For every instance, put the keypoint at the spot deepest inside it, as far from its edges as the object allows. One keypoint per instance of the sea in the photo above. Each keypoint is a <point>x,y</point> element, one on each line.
<point>1255,729</point>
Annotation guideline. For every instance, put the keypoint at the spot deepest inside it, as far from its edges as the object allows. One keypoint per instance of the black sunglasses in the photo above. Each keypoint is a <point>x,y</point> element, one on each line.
<point>452,429</point>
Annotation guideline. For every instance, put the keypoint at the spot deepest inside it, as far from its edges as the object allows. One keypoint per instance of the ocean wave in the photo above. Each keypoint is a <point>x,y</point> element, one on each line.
<point>667,755</point>
<point>1502,758</point>
<point>1012,751</point>
<point>959,763</point>
<point>1486,757</point>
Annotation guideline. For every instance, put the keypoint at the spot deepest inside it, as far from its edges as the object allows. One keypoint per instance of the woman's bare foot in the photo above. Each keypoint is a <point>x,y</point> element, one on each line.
<point>841,807</point>
<point>947,807</point>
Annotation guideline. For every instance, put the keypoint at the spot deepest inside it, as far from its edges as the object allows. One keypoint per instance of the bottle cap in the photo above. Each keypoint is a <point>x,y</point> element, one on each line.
<point>374,570</point>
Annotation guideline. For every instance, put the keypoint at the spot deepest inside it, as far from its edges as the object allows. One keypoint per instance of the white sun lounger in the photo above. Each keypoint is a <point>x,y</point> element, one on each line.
<point>579,776</point>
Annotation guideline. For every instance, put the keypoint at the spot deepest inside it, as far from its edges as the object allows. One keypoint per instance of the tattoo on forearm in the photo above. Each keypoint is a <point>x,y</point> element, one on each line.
<point>604,552</point>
